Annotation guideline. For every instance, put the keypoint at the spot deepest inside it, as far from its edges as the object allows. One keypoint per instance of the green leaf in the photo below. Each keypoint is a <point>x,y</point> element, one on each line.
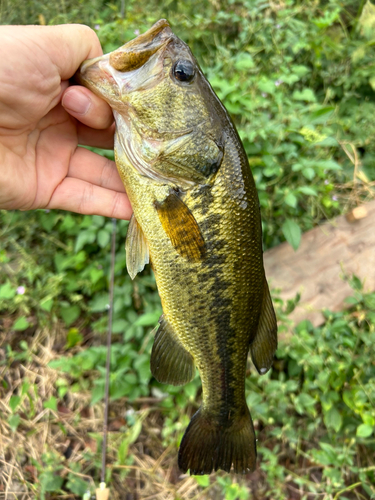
<point>300,70</point>
<point>68,223</point>
<point>333,419</point>
<point>14,421</point>
<point>98,220</point>
<point>291,200</point>
<point>21,324</point>
<point>349,399</point>
<point>368,419</point>
<point>97,393</point>
<point>63,364</point>
<point>364,430</point>
<point>306,95</point>
<point>119,325</point>
<point>14,402</point>
<point>329,451</point>
<point>100,302</point>
<point>309,173</point>
<point>63,262</point>
<point>48,220</point>
<point>46,304</point>
<point>73,338</point>
<point>122,451</point>
<point>135,431</point>
<point>51,403</point>
<point>26,386</point>
<point>148,319</point>
<point>366,22</point>
<point>292,233</point>
<point>130,378</point>
<point>267,86</point>
<point>120,388</point>
<point>96,274</point>
<point>351,300</point>
<point>329,165</point>
<point>306,400</point>
<point>7,291</point>
<point>232,492</point>
<point>76,485</point>
<point>70,314</point>
<point>328,142</point>
<point>308,190</point>
<point>191,390</point>
<point>84,237</point>
<point>142,366</point>
<point>372,82</point>
<point>203,481</point>
<point>50,481</point>
<point>244,61</point>
<point>321,115</point>
<point>103,238</point>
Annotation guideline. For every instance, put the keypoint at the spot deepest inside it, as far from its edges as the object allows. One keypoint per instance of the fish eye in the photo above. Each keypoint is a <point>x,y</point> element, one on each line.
<point>184,71</point>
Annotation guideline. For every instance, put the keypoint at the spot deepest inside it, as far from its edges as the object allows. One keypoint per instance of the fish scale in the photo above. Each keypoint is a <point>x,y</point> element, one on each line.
<point>196,216</point>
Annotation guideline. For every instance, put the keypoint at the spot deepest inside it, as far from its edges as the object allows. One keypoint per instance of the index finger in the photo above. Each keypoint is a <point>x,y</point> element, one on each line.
<point>65,45</point>
<point>68,45</point>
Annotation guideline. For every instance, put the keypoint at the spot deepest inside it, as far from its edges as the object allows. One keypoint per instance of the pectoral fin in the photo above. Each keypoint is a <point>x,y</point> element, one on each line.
<point>264,345</point>
<point>136,246</point>
<point>181,227</point>
<point>171,363</point>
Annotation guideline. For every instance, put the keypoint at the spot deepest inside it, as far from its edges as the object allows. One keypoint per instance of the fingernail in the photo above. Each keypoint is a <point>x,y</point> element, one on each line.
<point>76,102</point>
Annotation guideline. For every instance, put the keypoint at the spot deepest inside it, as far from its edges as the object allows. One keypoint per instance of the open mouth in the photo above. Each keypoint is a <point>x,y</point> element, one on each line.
<point>137,52</point>
<point>134,66</point>
<point>104,68</point>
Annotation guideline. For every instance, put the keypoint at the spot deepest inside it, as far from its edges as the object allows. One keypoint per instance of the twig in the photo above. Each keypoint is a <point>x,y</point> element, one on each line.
<point>348,488</point>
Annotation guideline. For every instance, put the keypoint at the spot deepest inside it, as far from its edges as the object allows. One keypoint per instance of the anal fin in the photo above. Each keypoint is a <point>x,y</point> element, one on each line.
<point>181,227</point>
<point>171,363</point>
<point>136,246</point>
<point>264,345</point>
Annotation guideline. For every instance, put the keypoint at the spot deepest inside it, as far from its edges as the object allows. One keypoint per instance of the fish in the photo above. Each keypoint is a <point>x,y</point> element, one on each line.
<point>196,219</point>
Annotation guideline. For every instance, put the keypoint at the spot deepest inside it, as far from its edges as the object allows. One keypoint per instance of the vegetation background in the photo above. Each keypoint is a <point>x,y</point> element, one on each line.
<point>298,78</point>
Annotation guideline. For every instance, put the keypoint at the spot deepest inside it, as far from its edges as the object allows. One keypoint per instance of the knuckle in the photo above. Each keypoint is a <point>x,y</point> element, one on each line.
<point>106,174</point>
<point>90,33</point>
<point>116,204</point>
<point>86,198</point>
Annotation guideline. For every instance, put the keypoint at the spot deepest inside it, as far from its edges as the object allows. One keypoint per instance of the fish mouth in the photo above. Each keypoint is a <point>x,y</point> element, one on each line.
<point>112,75</point>
<point>137,52</point>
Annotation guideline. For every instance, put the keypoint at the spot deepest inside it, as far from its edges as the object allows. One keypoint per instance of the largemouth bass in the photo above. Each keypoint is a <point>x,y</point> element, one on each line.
<point>197,220</point>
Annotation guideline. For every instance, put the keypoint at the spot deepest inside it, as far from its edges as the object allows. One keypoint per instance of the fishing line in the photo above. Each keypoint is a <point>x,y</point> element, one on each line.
<point>102,493</point>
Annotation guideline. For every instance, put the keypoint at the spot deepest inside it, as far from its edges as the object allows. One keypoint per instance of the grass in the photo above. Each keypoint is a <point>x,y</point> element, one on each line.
<point>305,414</point>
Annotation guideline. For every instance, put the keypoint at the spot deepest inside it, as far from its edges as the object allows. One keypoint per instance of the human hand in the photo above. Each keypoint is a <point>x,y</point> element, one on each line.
<point>40,163</point>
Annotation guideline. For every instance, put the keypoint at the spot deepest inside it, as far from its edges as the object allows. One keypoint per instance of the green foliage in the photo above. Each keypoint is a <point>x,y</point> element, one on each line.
<point>323,374</point>
<point>298,79</point>
<point>49,477</point>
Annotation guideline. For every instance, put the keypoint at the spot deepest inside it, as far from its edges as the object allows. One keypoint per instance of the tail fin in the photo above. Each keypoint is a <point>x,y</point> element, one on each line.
<point>209,444</point>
